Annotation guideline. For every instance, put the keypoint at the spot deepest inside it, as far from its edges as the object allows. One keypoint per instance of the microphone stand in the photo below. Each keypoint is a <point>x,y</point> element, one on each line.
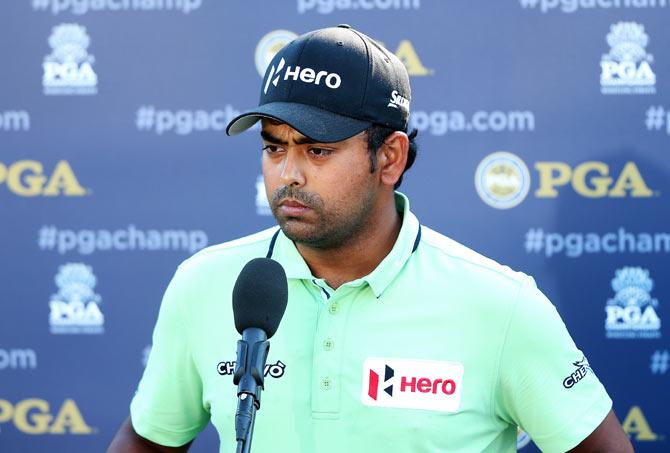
<point>244,445</point>
<point>252,353</point>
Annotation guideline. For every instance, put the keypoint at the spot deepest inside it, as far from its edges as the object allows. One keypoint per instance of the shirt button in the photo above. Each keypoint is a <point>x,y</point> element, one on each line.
<point>334,308</point>
<point>326,384</point>
<point>328,344</point>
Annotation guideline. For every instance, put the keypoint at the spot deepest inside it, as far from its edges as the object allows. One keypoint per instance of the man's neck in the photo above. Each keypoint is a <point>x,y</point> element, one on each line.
<point>360,255</point>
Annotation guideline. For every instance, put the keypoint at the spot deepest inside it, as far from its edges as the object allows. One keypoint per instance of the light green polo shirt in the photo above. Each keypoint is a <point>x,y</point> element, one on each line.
<point>438,349</point>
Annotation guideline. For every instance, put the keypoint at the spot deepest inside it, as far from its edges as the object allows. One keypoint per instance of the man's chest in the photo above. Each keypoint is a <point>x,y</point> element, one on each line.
<point>349,371</point>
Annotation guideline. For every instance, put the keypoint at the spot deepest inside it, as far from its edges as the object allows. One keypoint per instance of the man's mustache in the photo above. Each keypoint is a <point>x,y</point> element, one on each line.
<point>311,200</point>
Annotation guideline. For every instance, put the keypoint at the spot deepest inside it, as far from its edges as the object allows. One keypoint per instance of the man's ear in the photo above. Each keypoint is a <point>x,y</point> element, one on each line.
<point>392,157</point>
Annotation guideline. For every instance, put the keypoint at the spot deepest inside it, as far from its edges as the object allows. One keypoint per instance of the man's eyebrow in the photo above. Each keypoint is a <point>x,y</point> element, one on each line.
<point>272,139</point>
<point>268,137</point>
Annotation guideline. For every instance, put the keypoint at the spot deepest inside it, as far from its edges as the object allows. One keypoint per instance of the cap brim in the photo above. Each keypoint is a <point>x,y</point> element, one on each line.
<point>312,122</point>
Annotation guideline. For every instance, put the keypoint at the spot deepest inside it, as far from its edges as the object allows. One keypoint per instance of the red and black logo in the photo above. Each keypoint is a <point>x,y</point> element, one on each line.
<point>373,386</point>
<point>408,384</point>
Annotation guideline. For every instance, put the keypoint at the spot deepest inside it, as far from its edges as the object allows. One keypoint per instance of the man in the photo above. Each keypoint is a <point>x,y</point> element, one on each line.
<point>395,339</point>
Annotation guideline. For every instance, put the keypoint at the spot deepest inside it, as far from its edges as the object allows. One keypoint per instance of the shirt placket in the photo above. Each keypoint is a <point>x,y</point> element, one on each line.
<point>328,351</point>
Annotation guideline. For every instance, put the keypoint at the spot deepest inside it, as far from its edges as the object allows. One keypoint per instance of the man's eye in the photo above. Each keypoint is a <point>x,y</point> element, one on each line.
<point>270,149</point>
<point>320,152</point>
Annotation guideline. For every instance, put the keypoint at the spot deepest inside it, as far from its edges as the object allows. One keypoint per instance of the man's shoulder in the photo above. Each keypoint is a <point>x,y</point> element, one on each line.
<point>467,263</point>
<point>238,250</point>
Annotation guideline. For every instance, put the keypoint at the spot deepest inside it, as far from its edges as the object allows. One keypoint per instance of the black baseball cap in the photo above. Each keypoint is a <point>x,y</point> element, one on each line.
<point>330,84</point>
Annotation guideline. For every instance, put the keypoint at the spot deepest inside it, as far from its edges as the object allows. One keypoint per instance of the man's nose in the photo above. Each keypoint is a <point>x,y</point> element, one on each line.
<point>292,172</point>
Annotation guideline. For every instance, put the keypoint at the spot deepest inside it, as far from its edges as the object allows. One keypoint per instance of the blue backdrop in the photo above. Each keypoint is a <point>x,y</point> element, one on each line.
<point>544,133</point>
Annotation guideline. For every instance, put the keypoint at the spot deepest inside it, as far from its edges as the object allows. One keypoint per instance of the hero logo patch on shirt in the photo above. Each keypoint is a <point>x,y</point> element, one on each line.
<point>412,384</point>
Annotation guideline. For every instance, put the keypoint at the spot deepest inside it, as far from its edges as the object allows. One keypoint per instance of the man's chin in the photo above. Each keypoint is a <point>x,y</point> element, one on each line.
<point>299,230</point>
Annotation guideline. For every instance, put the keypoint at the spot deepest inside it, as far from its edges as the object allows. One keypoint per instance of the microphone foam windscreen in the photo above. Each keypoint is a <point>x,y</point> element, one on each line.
<point>260,296</point>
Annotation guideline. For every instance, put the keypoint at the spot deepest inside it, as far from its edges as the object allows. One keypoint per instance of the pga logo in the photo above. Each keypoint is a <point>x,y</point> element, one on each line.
<point>627,71</point>
<point>412,384</point>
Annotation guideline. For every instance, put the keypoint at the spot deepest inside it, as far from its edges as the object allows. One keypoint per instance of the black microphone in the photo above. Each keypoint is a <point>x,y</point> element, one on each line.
<point>260,296</point>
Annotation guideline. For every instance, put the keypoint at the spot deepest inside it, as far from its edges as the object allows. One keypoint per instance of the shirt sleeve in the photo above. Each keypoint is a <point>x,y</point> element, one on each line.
<point>546,385</point>
<point>167,407</point>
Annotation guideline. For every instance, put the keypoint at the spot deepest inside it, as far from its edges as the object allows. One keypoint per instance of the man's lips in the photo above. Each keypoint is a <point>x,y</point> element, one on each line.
<point>292,208</point>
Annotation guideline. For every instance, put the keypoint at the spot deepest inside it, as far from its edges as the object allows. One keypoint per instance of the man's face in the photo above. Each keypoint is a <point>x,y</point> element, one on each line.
<point>322,194</point>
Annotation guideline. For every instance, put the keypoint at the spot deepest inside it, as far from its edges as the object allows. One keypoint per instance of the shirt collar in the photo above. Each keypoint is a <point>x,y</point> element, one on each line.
<point>286,253</point>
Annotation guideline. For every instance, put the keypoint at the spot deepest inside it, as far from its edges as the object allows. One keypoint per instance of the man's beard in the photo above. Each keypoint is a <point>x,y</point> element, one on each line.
<point>331,229</point>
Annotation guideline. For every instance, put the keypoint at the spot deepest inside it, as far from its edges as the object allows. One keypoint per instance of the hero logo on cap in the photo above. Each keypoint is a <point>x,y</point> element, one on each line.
<point>412,384</point>
<point>306,75</point>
